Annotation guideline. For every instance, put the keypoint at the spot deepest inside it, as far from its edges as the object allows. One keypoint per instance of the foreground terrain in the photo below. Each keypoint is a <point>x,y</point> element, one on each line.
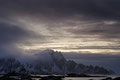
<point>17,76</point>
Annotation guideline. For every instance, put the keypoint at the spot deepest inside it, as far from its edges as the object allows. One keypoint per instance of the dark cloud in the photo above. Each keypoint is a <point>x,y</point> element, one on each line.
<point>104,9</point>
<point>55,10</point>
<point>104,30</point>
<point>9,36</point>
<point>12,33</point>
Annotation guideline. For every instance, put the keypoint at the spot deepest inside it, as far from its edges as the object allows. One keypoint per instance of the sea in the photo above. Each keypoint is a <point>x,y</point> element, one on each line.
<point>82,78</point>
<point>87,78</point>
<point>91,78</point>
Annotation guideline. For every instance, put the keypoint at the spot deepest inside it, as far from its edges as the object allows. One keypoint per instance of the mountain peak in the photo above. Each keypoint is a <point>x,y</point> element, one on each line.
<point>48,51</point>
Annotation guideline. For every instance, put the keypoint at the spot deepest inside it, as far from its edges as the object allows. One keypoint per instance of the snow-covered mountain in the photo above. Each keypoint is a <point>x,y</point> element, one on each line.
<point>49,62</point>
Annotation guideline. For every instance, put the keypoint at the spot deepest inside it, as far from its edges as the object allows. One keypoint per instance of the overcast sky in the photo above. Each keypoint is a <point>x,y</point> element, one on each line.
<point>64,25</point>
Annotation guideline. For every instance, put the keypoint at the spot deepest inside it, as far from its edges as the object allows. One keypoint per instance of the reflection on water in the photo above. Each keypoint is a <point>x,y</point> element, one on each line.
<point>95,78</point>
<point>90,78</point>
<point>69,78</point>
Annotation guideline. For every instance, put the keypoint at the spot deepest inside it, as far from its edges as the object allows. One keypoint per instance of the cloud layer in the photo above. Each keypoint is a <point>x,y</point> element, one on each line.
<point>61,24</point>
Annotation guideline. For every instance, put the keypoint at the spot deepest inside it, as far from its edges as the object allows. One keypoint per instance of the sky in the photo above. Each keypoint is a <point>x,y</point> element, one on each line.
<point>85,26</point>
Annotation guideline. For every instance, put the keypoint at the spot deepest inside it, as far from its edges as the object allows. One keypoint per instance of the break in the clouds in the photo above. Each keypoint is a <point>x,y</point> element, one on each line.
<point>63,25</point>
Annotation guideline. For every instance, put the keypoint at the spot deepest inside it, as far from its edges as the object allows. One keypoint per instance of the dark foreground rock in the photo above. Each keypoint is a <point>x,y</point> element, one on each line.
<point>108,78</point>
<point>118,78</point>
<point>15,76</point>
<point>7,78</point>
<point>52,78</point>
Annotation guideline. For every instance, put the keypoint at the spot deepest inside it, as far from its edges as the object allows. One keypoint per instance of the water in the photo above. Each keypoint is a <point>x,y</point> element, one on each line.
<point>84,78</point>
<point>90,78</point>
<point>80,78</point>
<point>76,78</point>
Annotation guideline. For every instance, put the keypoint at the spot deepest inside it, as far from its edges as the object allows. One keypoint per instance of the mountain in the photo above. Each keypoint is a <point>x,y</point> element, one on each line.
<point>10,65</point>
<point>49,62</point>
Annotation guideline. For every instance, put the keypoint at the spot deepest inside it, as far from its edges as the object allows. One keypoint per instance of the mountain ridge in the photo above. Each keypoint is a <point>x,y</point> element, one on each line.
<point>49,62</point>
